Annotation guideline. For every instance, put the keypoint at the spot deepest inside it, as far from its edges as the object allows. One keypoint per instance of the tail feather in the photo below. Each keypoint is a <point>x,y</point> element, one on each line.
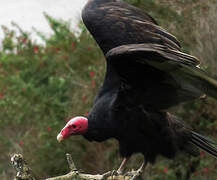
<point>204,143</point>
<point>206,139</point>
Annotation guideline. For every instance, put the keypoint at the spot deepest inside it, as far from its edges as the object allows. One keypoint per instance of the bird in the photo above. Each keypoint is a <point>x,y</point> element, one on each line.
<point>146,74</point>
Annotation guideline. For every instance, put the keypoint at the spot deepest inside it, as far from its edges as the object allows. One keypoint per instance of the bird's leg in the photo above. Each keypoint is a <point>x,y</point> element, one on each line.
<point>120,169</point>
<point>138,172</point>
<point>116,172</point>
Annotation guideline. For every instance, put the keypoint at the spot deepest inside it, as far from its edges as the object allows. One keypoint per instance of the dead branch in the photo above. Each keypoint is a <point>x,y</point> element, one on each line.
<point>25,173</point>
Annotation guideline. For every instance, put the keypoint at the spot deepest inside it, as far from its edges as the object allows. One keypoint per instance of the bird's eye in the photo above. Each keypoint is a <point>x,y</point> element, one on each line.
<point>74,126</point>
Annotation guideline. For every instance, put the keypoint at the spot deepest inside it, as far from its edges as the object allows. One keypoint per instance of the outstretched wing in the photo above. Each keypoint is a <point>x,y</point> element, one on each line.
<point>162,76</point>
<point>116,23</point>
<point>146,57</point>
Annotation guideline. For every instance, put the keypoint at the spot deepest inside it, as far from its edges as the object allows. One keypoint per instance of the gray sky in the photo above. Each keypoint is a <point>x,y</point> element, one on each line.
<point>29,13</point>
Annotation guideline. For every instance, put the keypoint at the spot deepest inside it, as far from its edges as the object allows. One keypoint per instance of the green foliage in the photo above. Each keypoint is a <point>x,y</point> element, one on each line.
<point>42,86</point>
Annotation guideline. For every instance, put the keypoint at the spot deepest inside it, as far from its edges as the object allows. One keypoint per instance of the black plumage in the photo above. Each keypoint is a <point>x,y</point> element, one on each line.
<point>146,73</point>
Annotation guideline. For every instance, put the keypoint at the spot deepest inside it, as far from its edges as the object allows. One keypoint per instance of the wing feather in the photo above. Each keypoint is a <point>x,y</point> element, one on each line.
<point>178,76</point>
<point>154,50</point>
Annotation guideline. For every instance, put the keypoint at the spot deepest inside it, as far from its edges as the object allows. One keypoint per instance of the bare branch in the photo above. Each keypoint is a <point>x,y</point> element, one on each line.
<point>71,162</point>
<point>25,173</point>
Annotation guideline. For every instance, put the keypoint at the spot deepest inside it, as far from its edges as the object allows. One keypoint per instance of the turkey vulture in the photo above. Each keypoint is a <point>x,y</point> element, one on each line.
<point>146,73</point>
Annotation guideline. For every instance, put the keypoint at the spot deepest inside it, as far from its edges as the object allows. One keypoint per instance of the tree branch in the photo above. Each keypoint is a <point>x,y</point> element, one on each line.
<point>25,173</point>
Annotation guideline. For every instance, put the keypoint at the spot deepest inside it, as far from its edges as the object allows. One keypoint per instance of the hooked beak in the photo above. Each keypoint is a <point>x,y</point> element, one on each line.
<point>59,137</point>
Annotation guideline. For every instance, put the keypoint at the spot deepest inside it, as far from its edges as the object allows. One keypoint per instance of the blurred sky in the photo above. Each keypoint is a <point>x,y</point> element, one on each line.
<point>29,13</point>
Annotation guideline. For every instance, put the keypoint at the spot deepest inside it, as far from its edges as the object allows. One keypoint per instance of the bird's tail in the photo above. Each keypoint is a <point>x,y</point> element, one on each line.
<point>204,143</point>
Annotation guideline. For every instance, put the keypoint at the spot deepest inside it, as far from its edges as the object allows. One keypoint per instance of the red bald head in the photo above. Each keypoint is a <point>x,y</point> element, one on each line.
<point>74,126</point>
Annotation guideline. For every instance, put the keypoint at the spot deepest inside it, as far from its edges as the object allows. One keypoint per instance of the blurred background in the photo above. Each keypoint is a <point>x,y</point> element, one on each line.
<point>49,76</point>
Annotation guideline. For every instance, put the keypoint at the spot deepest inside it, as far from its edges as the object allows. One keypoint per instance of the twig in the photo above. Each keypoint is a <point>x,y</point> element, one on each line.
<point>25,173</point>
<point>70,162</point>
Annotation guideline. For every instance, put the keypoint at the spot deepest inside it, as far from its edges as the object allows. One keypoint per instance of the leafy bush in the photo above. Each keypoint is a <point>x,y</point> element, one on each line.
<point>41,87</point>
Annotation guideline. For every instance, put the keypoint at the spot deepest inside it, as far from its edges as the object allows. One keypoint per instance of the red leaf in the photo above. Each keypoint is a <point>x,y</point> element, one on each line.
<point>205,170</point>
<point>1,95</point>
<point>35,49</point>
<point>57,49</point>
<point>21,143</point>
<point>22,40</point>
<point>165,170</point>
<point>48,128</point>
<point>91,73</point>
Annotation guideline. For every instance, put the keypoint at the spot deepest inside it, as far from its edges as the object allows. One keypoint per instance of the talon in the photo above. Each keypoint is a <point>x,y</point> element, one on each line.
<point>119,172</point>
<point>110,173</point>
<point>136,173</point>
<point>134,176</point>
